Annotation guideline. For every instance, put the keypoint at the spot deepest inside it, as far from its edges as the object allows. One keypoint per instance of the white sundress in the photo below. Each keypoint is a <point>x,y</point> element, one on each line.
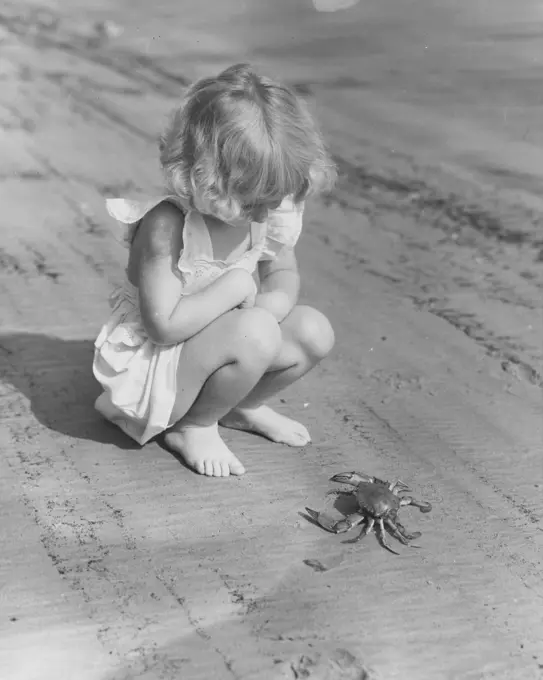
<point>139,378</point>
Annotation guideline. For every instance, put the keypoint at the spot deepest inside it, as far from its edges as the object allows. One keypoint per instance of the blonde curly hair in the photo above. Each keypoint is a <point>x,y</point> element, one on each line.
<point>239,143</point>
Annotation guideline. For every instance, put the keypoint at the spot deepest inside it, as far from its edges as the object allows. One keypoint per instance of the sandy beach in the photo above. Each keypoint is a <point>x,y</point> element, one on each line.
<point>118,563</point>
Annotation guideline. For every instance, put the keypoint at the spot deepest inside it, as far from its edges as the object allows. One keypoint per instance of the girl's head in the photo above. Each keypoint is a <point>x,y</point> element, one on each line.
<point>240,143</point>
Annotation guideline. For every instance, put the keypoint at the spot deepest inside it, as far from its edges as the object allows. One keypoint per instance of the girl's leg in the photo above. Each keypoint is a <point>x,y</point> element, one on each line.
<point>307,337</point>
<point>218,367</point>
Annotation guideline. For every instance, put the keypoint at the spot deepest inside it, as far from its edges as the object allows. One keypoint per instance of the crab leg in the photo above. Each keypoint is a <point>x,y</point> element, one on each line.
<point>365,531</point>
<point>421,505</point>
<point>404,532</point>
<point>398,534</point>
<point>382,538</point>
<point>395,532</point>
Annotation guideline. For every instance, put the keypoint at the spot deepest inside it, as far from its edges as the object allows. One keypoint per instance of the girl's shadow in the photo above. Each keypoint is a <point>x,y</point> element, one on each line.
<point>55,375</point>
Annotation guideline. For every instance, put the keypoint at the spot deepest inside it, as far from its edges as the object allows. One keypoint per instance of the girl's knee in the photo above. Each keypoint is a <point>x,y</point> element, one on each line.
<point>256,336</point>
<point>313,332</point>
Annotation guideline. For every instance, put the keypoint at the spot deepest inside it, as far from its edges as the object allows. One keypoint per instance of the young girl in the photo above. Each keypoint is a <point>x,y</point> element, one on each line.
<point>192,341</point>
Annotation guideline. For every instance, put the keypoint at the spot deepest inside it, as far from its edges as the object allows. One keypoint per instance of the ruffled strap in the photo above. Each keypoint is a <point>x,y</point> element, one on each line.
<point>196,245</point>
<point>129,213</point>
<point>283,228</point>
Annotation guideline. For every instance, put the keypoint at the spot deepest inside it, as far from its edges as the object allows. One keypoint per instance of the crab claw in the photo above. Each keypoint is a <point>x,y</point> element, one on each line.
<point>399,487</point>
<point>329,523</point>
<point>352,478</point>
<point>333,525</point>
<point>325,521</point>
<point>342,526</point>
<point>423,506</point>
<point>313,514</point>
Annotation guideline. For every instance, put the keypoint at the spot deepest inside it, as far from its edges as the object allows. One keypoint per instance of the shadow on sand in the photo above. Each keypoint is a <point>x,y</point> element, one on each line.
<point>55,375</point>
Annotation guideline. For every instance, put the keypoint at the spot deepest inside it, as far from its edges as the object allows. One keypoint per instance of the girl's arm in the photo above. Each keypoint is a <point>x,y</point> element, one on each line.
<point>168,316</point>
<point>279,284</point>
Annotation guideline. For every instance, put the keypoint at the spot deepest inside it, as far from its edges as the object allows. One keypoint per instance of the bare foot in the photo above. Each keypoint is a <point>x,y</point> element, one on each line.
<point>203,450</point>
<point>267,422</point>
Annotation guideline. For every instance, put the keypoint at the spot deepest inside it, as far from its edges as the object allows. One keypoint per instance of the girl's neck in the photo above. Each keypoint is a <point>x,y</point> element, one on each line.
<point>226,238</point>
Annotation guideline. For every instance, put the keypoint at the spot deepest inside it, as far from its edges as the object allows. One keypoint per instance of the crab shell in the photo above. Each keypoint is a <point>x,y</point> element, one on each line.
<point>376,500</point>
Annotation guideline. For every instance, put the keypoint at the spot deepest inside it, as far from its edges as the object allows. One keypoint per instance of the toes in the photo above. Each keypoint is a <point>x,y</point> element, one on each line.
<point>236,468</point>
<point>300,438</point>
<point>204,451</point>
<point>302,435</point>
<point>218,468</point>
<point>214,468</point>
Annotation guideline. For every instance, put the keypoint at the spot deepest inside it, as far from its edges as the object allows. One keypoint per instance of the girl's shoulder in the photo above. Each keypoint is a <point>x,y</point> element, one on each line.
<point>161,229</point>
<point>129,213</point>
<point>157,236</point>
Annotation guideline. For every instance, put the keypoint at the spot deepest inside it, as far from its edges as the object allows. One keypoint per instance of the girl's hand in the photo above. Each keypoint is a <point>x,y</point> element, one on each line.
<point>242,286</point>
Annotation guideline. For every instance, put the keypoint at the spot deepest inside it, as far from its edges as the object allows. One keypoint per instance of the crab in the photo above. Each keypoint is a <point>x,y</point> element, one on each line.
<point>378,503</point>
